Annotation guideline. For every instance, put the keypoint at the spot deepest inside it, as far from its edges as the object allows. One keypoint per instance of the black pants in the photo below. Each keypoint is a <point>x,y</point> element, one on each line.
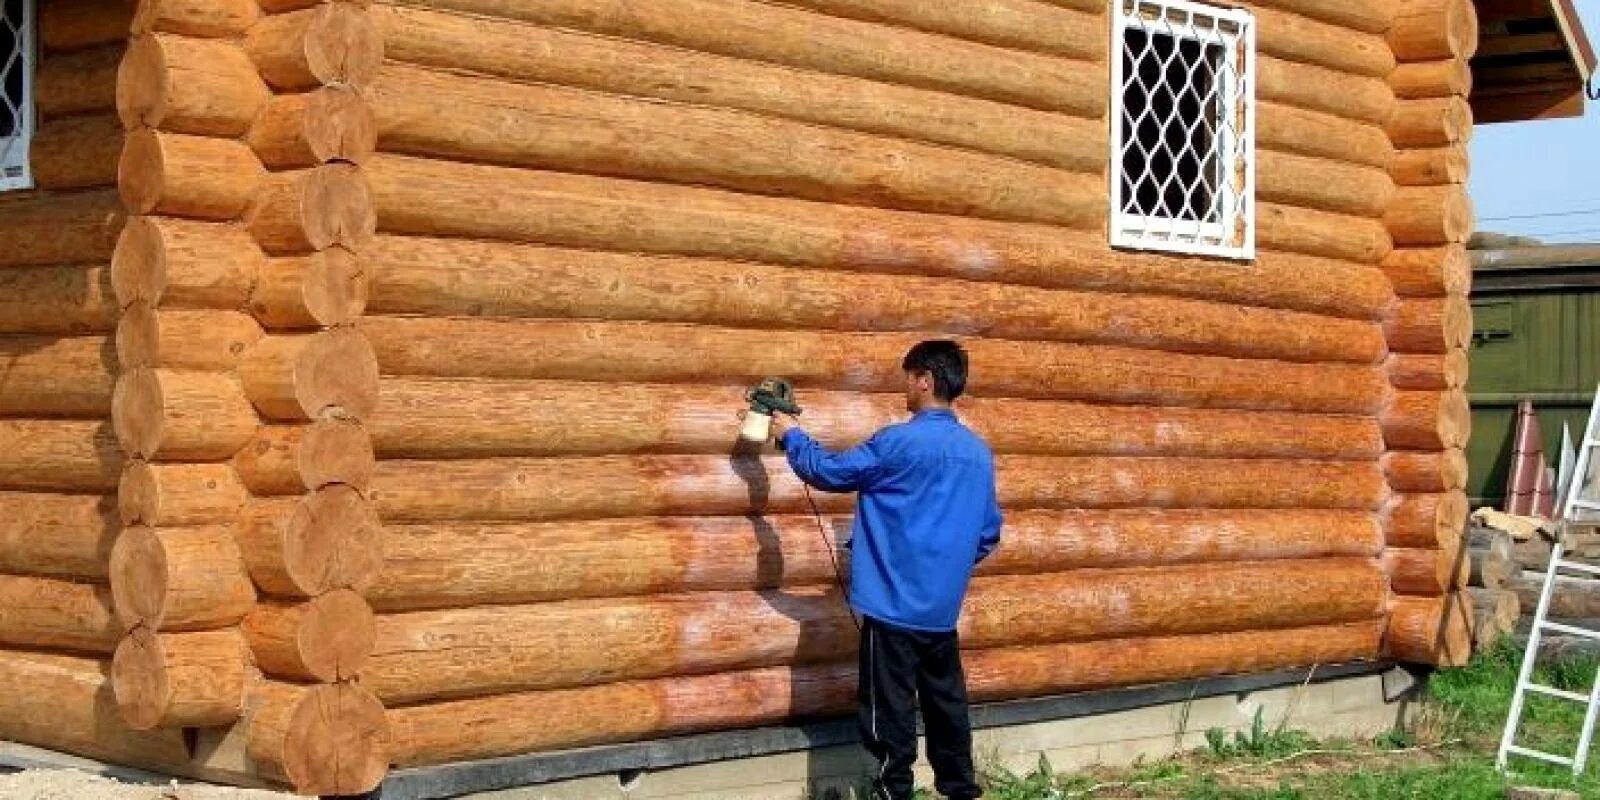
<point>899,669</point>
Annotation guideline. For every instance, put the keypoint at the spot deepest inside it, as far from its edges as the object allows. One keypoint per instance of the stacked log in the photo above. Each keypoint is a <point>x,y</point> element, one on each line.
<point>1496,607</point>
<point>1426,421</point>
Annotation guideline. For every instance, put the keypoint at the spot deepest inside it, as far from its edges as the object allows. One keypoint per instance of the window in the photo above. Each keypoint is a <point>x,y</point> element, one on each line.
<point>16,92</point>
<point>1182,144</point>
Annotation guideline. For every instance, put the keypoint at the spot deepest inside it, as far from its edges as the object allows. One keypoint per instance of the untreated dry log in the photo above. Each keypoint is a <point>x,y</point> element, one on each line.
<point>73,299</point>
<point>1423,372</point>
<point>66,703</point>
<point>326,638</point>
<point>56,535</point>
<point>322,289</point>
<point>1432,122</point>
<point>324,44</point>
<point>306,376</point>
<point>327,739</point>
<point>76,24</point>
<point>1437,166</point>
<point>1494,614</point>
<point>82,82</point>
<point>326,124</point>
<point>1426,420</point>
<point>1433,29</point>
<point>1355,97</point>
<point>56,376</point>
<point>180,679</point>
<point>1424,472</point>
<point>1430,215</point>
<point>1573,598</point>
<point>181,416</point>
<point>1430,325</point>
<point>176,263</point>
<point>496,649</point>
<point>306,546</point>
<point>1424,520</point>
<point>429,418</point>
<point>662,353</point>
<point>58,455</point>
<point>188,85</point>
<point>1322,233</point>
<point>1323,184</point>
<point>1430,630</point>
<point>1492,567</point>
<point>462,564</point>
<point>1429,271</point>
<point>302,211</point>
<point>1288,129</point>
<point>49,613</point>
<point>219,19</point>
<point>176,579</point>
<point>293,459</point>
<point>187,176</point>
<point>1425,572</point>
<point>519,489</point>
<point>1442,78</point>
<point>76,152</point>
<point>179,494</point>
<point>206,340</point>
<point>49,229</point>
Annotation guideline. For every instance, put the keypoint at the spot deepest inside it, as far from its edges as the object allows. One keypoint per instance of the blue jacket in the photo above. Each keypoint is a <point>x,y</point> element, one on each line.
<point>926,514</point>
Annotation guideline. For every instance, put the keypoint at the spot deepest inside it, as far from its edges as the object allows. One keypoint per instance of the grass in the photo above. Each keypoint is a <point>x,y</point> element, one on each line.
<point>1446,754</point>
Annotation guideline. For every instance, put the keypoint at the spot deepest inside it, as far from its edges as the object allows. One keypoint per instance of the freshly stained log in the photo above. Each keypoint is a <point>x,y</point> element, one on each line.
<point>431,655</point>
<point>50,229</point>
<point>302,211</point>
<point>58,455</point>
<point>207,340</point>
<point>180,679</point>
<point>76,152</point>
<point>176,263</point>
<point>1323,184</point>
<point>1426,420</point>
<point>1355,97</point>
<point>1430,325</point>
<point>1436,166</point>
<point>1424,520</point>
<point>1443,78</point>
<point>181,416</point>
<point>1288,129</point>
<point>531,490</point>
<point>1573,598</point>
<point>48,613</point>
<point>327,739</point>
<point>1430,215</point>
<point>1492,567</point>
<point>57,535</point>
<point>83,82</point>
<point>322,289</point>
<point>293,459</point>
<point>1430,630</point>
<point>1429,271</point>
<point>305,376</point>
<point>205,18</point>
<point>306,546</point>
<point>429,418</point>
<point>662,353</point>
<point>1434,122</point>
<point>1425,30</point>
<point>326,638</point>
<point>1015,24</point>
<point>56,376</point>
<point>516,723</point>
<point>179,494</point>
<point>1425,572</point>
<point>325,44</point>
<point>1425,372</point>
<point>524,52</point>
<point>434,198</point>
<point>73,299</point>
<point>183,84</point>
<point>462,564</point>
<point>177,579</point>
<point>310,128</point>
<point>420,112</point>
<point>187,176</point>
<point>66,703</point>
<point>1412,471</point>
<point>77,24</point>
<point>1322,233</point>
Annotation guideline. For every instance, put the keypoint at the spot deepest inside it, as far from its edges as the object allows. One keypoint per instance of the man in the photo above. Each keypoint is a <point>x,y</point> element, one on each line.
<point>926,514</point>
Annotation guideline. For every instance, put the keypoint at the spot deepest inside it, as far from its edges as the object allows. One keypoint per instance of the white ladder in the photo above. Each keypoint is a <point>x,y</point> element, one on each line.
<point>1569,508</point>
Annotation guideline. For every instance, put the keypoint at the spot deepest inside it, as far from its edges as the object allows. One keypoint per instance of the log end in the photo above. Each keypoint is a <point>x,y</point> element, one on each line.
<point>339,125</point>
<point>140,680</point>
<point>139,577</point>
<point>328,739</point>
<point>138,494</point>
<point>338,208</point>
<point>142,83</point>
<point>336,451</point>
<point>141,171</point>
<point>138,264</point>
<point>337,374</point>
<point>138,411</point>
<point>333,541</point>
<point>343,45</point>
<point>337,635</point>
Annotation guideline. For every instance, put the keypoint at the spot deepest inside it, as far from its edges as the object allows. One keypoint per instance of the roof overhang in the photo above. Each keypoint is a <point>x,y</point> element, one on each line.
<point>1534,61</point>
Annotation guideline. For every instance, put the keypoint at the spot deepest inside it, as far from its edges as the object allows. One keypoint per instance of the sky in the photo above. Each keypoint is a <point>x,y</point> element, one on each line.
<point>1542,169</point>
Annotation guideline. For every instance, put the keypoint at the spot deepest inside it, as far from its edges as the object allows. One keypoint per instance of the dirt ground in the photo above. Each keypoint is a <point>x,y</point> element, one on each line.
<point>67,784</point>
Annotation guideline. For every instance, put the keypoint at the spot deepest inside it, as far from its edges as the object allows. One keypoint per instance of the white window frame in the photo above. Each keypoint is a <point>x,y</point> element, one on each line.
<point>1197,237</point>
<point>14,148</point>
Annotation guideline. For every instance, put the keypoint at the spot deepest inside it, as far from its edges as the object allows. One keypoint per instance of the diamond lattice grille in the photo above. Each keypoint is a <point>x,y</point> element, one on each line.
<point>1183,141</point>
<point>16,102</point>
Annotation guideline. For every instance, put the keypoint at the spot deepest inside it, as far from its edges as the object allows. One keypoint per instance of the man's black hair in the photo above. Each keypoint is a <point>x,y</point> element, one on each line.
<point>945,361</point>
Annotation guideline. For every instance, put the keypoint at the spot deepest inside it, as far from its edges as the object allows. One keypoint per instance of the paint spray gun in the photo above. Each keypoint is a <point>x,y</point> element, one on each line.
<point>770,396</point>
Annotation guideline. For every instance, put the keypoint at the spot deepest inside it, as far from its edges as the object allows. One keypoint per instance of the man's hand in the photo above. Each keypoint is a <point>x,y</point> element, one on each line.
<point>781,423</point>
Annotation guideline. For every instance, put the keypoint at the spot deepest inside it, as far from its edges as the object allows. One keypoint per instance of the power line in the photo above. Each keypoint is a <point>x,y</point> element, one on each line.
<point>1577,213</point>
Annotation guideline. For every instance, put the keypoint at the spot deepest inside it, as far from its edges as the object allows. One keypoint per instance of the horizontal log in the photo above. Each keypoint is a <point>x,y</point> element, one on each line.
<point>426,113</point>
<point>1355,97</point>
<point>1430,630</point>
<point>1322,233</point>
<point>1492,567</point>
<point>61,300</point>
<point>57,614</point>
<point>616,712</point>
<point>1572,598</point>
<point>432,198</point>
<point>49,228</point>
<point>183,84</point>
<point>1429,271</point>
<point>1015,24</point>
<point>294,459</point>
<point>1424,520</point>
<point>533,53</point>
<point>1430,215</point>
<point>441,277</point>
<point>57,535</point>
<point>430,418</point>
<point>1287,129</point>
<point>1428,573</point>
<point>325,739</point>
<point>306,546</point>
<point>325,44</point>
<point>326,124</point>
<point>306,376</point>
<point>1437,166</point>
<point>1532,554</point>
<point>179,494</point>
<point>58,455</point>
<point>532,490</point>
<point>662,353</point>
<point>76,24</point>
<point>432,655</point>
<point>1434,29</point>
<point>180,679</point>
<point>1426,420</point>
<point>205,340</point>
<point>1428,373</point>
<point>1291,36</point>
<point>175,263</point>
<point>179,579</point>
<point>462,564</point>
<point>162,414</point>
<point>303,211</point>
<point>1323,184</point>
<point>204,18</point>
<point>319,290</point>
<point>56,376</point>
<point>66,703</point>
<point>1370,16</point>
<point>187,176</point>
<point>1430,325</point>
<point>327,638</point>
<point>1443,78</point>
<point>1499,607</point>
<point>1432,122</point>
<point>1425,472</point>
<point>76,152</point>
<point>82,82</point>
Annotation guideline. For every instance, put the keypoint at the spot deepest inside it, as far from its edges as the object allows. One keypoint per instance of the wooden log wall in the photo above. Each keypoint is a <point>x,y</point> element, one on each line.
<point>1428,330</point>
